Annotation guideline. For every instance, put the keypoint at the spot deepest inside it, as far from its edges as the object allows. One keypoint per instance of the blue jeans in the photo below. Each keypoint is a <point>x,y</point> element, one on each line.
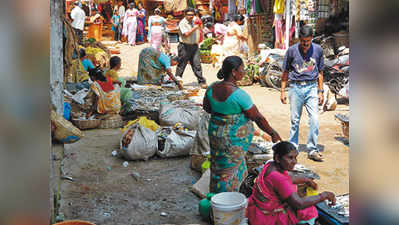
<point>299,96</point>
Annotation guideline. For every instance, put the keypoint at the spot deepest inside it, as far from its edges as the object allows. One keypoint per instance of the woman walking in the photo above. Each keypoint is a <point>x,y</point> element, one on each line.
<point>156,27</point>
<point>141,24</point>
<point>130,24</point>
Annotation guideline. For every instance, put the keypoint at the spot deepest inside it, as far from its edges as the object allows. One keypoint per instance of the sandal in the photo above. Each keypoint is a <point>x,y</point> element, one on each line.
<point>315,155</point>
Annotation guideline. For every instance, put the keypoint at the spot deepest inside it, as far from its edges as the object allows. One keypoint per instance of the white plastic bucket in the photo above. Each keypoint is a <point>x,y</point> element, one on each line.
<point>228,208</point>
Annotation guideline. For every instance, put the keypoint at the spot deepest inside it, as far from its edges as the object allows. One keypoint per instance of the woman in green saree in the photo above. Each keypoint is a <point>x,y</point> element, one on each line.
<point>230,127</point>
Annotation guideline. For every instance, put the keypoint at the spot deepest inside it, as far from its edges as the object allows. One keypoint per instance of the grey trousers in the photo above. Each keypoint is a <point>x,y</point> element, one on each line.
<point>189,53</point>
<point>79,33</point>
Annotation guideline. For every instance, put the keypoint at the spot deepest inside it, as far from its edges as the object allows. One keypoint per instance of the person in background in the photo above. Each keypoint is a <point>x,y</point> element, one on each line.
<point>116,21</point>
<point>156,28</point>
<point>141,24</point>
<point>275,199</point>
<point>220,31</point>
<point>230,127</point>
<point>86,8</point>
<point>78,16</point>
<point>188,49</point>
<point>108,94</point>
<point>80,76</point>
<point>121,12</point>
<point>208,30</point>
<point>153,65</point>
<point>107,12</point>
<point>115,63</point>
<point>233,37</point>
<point>86,62</point>
<point>197,21</point>
<point>95,26</point>
<point>130,24</point>
<point>92,6</point>
<point>303,66</point>
<point>245,31</point>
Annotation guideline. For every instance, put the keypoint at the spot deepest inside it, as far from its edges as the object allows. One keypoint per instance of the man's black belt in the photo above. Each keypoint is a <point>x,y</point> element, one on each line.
<point>303,82</point>
<point>187,44</point>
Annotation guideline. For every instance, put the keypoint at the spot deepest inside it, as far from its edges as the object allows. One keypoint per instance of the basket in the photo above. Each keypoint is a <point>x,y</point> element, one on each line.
<point>207,59</point>
<point>74,222</point>
<point>114,121</point>
<point>114,51</point>
<point>65,131</point>
<point>86,124</point>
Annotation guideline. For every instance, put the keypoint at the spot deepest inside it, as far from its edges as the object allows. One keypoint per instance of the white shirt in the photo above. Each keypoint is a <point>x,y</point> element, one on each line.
<point>78,16</point>
<point>122,12</point>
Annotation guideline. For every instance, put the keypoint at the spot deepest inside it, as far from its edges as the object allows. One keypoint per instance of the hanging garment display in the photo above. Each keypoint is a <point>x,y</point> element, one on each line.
<point>279,6</point>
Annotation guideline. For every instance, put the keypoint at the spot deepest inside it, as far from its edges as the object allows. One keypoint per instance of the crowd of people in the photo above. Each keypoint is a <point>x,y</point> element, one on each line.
<point>275,199</point>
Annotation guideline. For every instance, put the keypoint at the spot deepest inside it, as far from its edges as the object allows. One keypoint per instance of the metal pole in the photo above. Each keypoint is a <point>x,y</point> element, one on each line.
<point>287,23</point>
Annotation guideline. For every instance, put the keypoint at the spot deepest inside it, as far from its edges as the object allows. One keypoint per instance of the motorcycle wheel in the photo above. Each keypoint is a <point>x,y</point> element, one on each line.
<point>273,76</point>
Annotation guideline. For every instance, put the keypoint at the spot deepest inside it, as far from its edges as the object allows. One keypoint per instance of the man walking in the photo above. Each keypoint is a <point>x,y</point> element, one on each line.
<point>188,49</point>
<point>303,66</point>
<point>78,16</point>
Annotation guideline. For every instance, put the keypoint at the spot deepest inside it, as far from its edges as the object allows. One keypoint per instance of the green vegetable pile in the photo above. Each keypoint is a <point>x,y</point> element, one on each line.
<point>207,44</point>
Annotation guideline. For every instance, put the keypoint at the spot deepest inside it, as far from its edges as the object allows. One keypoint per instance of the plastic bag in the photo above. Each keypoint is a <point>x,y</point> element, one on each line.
<point>64,131</point>
<point>201,141</point>
<point>188,116</point>
<point>67,110</point>
<point>142,120</point>
<point>177,143</point>
<point>143,143</point>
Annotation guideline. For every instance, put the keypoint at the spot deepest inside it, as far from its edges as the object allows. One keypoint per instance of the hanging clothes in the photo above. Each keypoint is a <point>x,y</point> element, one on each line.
<point>279,6</point>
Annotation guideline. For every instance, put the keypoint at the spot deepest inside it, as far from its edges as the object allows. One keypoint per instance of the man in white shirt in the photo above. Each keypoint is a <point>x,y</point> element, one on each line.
<point>78,16</point>
<point>188,49</point>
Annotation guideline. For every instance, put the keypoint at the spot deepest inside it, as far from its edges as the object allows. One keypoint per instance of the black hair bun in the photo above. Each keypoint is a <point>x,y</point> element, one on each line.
<point>220,74</point>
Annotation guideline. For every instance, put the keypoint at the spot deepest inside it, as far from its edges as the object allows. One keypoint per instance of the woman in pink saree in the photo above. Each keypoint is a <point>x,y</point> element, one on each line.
<point>156,28</point>
<point>275,201</point>
<point>130,24</point>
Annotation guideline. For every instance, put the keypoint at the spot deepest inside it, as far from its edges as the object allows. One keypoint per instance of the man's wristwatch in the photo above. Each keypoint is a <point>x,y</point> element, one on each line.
<point>320,91</point>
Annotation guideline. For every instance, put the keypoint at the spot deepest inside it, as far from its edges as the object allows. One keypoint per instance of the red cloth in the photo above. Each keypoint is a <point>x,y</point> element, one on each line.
<point>198,21</point>
<point>274,187</point>
<point>107,86</point>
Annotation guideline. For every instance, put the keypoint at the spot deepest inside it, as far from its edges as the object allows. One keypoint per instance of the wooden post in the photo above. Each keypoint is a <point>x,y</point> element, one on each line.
<point>287,23</point>
<point>56,88</point>
<point>56,55</point>
<point>251,40</point>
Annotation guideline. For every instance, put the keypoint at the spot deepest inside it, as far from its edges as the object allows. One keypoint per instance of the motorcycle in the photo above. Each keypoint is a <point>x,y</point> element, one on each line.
<point>336,70</point>
<point>271,68</point>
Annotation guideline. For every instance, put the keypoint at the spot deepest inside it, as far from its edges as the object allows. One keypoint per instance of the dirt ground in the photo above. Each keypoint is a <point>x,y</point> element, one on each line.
<point>105,192</point>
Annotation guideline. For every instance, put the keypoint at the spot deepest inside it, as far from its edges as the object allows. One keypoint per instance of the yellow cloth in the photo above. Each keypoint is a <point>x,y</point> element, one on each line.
<point>79,74</point>
<point>279,6</point>
<point>107,102</point>
<point>142,120</point>
<point>112,74</point>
